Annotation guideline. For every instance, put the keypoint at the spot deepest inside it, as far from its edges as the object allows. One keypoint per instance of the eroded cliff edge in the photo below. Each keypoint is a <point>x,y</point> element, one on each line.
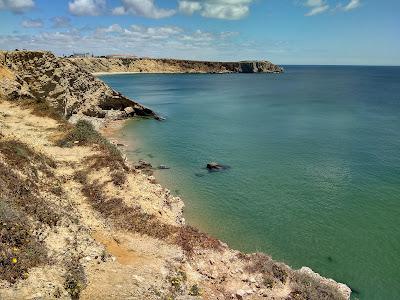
<point>157,65</point>
<point>63,85</point>
<point>79,220</point>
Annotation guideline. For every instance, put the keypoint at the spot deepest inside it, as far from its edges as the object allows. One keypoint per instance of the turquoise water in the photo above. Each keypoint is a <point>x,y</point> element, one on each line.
<point>315,163</point>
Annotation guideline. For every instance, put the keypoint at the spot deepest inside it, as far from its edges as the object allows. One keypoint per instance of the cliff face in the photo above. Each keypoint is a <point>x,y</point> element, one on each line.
<point>62,85</point>
<point>148,65</point>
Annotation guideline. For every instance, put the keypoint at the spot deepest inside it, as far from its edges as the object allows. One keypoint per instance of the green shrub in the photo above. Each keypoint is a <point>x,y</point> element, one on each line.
<point>194,290</point>
<point>83,133</point>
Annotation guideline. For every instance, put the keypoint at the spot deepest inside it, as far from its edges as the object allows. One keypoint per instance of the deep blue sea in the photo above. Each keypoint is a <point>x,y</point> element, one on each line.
<point>314,158</point>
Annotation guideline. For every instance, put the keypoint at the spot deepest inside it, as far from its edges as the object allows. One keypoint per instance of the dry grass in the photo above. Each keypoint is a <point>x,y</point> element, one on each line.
<point>190,238</point>
<point>304,287</point>
<point>20,184</point>
<point>19,248</point>
<point>133,219</point>
<point>273,273</point>
<point>41,108</point>
<point>20,156</point>
<point>118,177</point>
<point>83,133</point>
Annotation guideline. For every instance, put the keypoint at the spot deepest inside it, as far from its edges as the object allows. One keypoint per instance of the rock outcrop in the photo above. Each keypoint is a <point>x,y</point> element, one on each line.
<point>63,85</point>
<point>155,65</point>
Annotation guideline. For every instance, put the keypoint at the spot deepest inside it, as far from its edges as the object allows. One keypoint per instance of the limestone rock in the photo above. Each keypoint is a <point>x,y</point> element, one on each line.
<point>63,85</point>
<point>342,288</point>
<point>145,65</point>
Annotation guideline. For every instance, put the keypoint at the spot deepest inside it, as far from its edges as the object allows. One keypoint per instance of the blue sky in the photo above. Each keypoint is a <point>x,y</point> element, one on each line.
<point>365,32</point>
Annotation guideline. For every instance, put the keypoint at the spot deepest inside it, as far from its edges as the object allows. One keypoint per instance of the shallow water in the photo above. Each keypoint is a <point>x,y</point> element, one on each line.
<point>314,156</point>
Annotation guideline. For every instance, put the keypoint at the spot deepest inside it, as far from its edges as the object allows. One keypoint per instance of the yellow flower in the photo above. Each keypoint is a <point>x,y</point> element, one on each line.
<point>14,260</point>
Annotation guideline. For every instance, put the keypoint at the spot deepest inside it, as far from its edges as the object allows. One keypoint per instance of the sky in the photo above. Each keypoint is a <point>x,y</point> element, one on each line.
<point>317,32</point>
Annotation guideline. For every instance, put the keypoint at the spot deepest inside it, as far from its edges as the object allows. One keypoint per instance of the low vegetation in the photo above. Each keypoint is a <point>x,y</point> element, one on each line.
<point>20,250</point>
<point>75,279</point>
<point>41,108</point>
<point>83,133</point>
<point>20,184</point>
<point>20,156</point>
<point>273,273</point>
<point>133,219</point>
<point>304,286</point>
<point>194,290</point>
<point>123,216</point>
<point>22,209</point>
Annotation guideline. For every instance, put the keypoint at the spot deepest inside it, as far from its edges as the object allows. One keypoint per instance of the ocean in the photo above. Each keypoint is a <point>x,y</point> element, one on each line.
<point>314,157</point>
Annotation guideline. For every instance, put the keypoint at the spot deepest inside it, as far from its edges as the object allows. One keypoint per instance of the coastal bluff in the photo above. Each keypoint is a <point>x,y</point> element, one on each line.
<point>62,85</point>
<point>80,221</point>
<point>164,65</point>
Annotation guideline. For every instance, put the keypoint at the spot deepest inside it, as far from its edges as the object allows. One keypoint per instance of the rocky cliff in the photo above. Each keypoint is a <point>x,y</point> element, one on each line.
<point>63,85</point>
<point>78,221</point>
<point>153,65</point>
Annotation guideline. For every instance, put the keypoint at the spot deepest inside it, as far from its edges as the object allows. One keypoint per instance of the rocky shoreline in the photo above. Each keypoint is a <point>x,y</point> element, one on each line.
<point>65,87</point>
<point>97,65</point>
<point>123,234</point>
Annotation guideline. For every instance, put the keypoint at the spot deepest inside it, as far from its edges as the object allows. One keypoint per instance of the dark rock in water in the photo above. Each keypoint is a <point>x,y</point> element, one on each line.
<point>199,174</point>
<point>330,259</point>
<point>150,155</point>
<point>214,166</point>
<point>163,167</point>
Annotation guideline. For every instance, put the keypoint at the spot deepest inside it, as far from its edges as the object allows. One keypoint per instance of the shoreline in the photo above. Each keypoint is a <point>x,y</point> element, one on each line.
<point>104,207</point>
<point>166,72</point>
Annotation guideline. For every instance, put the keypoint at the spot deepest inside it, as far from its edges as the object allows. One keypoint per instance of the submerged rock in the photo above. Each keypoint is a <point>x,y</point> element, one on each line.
<point>214,166</point>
